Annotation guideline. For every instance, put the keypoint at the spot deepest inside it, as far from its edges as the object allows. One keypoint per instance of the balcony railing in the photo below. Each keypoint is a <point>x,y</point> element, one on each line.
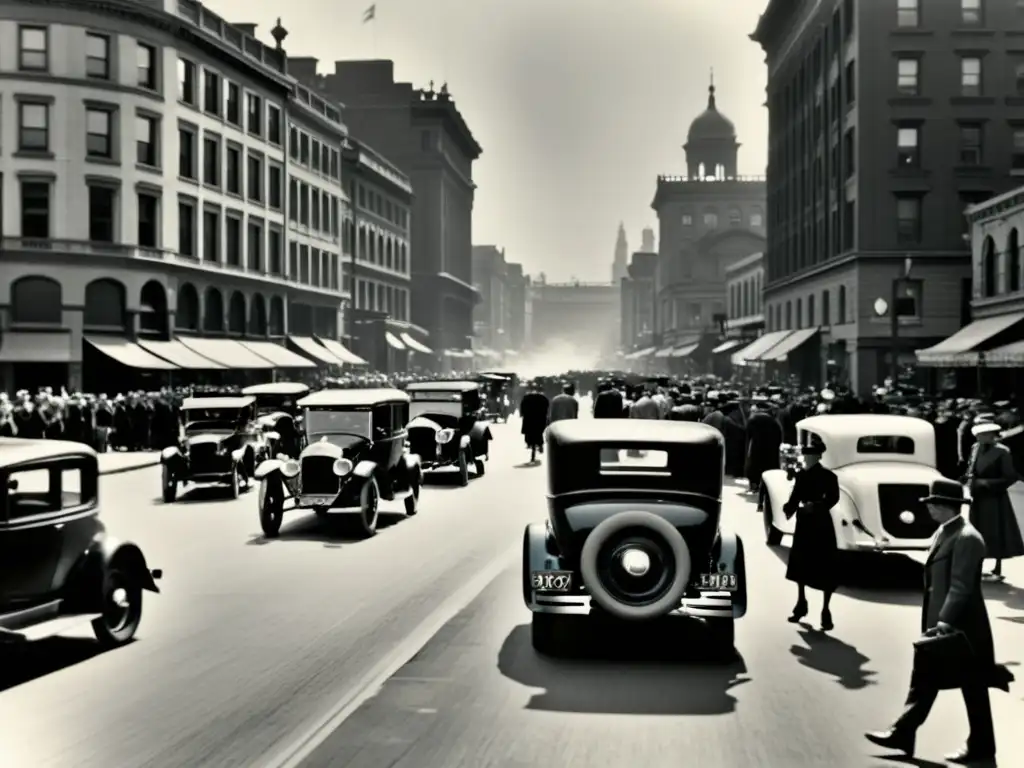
<point>708,179</point>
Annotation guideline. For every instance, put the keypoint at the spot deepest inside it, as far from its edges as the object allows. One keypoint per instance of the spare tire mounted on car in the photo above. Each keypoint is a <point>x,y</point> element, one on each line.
<point>636,566</point>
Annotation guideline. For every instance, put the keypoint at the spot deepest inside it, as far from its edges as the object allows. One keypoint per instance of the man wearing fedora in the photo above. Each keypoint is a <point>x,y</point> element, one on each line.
<point>952,601</point>
<point>813,558</point>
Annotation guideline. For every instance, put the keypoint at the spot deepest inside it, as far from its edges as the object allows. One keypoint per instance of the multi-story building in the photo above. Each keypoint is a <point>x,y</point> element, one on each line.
<point>381,261</point>
<point>520,310</point>
<point>708,219</point>
<point>492,317</point>
<point>744,282</point>
<point>143,168</point>
<point>875,149</point>
<point>422,132</point>
<point>637,305</point>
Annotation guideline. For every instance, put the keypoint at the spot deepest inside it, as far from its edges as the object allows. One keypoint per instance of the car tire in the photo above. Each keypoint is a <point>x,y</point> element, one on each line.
<point>236,481</point>
<point>772,535</point>
<point>463,469</point>
<point>168,485</point>
<point>550,634</point>
<point>271,510</point>
<point>480,467</point>
<point>122,608</point>
<point>412,501</point>
<point>369,510</point>
<point>722,636</point>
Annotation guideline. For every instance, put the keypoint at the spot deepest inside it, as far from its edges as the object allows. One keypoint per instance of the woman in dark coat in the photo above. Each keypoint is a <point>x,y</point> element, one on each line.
<point>813,560</point>
<point>534,412</point>
<point>990,473</point>
<point>764,436</point>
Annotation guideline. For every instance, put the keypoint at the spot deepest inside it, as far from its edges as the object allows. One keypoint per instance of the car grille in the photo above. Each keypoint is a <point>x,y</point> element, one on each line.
<point>422,442</point>
<point>893,499</point>
<point>203,457</point>
<point>318,475</point>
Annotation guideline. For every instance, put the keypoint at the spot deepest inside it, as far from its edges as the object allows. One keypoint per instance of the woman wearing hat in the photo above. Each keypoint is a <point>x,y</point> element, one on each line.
<point>813,556</point>
<point>990,473</point>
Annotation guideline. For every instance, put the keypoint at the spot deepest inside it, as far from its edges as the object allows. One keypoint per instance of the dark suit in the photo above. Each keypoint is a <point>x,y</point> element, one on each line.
<point>952,595</point>
<point>608,405</point>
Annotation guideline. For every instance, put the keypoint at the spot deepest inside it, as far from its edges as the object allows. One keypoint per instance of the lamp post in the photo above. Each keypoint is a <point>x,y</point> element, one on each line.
<point>892,306</point>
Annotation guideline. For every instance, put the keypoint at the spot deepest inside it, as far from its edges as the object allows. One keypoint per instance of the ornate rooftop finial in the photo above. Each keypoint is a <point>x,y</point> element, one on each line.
<point>444,88</point>
<point>279,33</point>
<point>430,87</point>
<point>711,91</point>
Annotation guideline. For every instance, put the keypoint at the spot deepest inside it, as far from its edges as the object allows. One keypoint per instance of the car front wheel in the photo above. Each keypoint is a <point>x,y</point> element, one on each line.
<point>412,501</point>
<point>271,510</point>
<point>369,503</point>
<point>122,609</point>
<point>463,469</point>
<point>480,467</point>
<point>169,486</point>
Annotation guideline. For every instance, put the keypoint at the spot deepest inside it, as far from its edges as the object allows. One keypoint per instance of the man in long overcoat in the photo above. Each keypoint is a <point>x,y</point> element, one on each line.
<point>534,411</point>
<point>953,601</point>
<point>608,403</point>
<point>990,473</point>
<point>764,436</point>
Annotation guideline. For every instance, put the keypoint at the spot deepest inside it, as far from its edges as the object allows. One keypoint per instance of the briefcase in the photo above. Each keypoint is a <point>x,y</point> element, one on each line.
<point>945,661</point>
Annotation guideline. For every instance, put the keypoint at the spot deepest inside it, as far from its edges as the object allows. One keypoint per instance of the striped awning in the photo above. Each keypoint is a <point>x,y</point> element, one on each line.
<point>961,349</point>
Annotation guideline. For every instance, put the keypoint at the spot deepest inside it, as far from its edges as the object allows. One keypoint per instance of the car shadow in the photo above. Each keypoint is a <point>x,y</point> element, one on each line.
<point>609,676</point>
<point>1010,596</point>
<point>919,762</point>
<point>333,534</point>
<point>830,655</point>
<point>528,464</point>
<point>891,578</point>
<point>204,494</point>
<point>445,479</point>
<point>25,662</point>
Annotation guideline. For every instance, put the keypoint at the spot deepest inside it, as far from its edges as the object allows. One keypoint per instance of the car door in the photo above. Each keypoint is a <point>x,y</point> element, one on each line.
<point>79,513</point>
<point>31,535</point>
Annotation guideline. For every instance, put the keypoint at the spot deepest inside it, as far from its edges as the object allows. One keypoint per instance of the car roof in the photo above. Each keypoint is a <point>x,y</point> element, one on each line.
<point>840,426</point>
<point>16,450</point>
<point>352,398</point>
<point>277,388</point>
<point>569,432</point>
<point>442,386</point>
<point>213,403</point>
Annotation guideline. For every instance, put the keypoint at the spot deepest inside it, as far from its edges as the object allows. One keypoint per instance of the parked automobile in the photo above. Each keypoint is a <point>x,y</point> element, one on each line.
<point>58,566</point>
<point>355,456</point>
<point>448,427</point>
<point>278,414</point>
<point>634,531</point>
<point>885,465</point>
<point>221,444</point>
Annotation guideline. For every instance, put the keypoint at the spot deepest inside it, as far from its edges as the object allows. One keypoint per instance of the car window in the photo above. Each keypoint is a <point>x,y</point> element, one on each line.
<point>886,444</point>
<point>810,438</point>
<point>324,422</point>
<point>627,459</point>
<point>382,419</point>
<point>399,416</point>
<point>473,399</point>
<point>31,492</point>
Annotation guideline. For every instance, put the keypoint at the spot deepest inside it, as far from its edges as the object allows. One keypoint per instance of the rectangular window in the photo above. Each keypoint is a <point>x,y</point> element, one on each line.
<point>908,219</point>
<point>254,121</point>
<point>970,76</point>
<point>971,13</point>
<point>1018,149</point>
<point>33,49</point>
<point>211,235</point>
<point>908,146</point>
<point>971,144</point>
<point>233,240</point>
<point>907,76</point>
<point>102,214</point>
<point>314,151</point>
<point>145,64</point>
<point>33,127</point>
<point>234,170</point>
<point>186,228</point>
<point>274,186</point>
<point>273,124</point>
<point>304,149</point>
<point>314,208</point>
<point>908,13</point>
<point>186,154</point>
<point>187,82</point>
<point>211,161</point>
<point>254,178</point>
<point>293,143</point>
<point>149,220</point>
<point>146,141</point>
<point>293,260</point>
<point>304,205</point>
<point>98,128</point>
<point>255,247</point>
<point>233,106</point>
<point>35,209</point>
<point>293,200</point>
<point>274,253</point>
<point>97,56</point>
<point>211,92</point>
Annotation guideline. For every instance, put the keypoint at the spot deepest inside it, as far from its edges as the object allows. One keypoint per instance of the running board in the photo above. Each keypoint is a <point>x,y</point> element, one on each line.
<point>46,629</point>
<point>15,620</point>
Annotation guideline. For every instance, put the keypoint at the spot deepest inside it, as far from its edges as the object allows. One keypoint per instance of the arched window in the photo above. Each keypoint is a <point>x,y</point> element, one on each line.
<point>36,299</point>
<point>735,217</point>
<point>710,219</point>
<point>257,315</point>
<point>1013,259</point>
<point>153,318</point>
<point>105,304</point>
<point>213,311</point>
<point>362,244</point>
<point>236,313</point>
<point>989,270</point>
<point>186,316</point>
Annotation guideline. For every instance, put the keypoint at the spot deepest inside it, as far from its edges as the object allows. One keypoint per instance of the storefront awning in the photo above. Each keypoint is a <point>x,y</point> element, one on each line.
<point>129,354</point>
<point>278,355</point>
<point>177,353</point>
<point>958,351</point>
<point>415,345</point>
<point>458,353</point>
<point>666,352</point>
<point>317,352</point>
<point>758,347</point>
<point>728,346</point>
<point>685,351</point>
<point>641,353</point>
<point>227,352</point>
<point>1006,356</point>
<point>393,341</point>
<point>19,347</point>
<point>791,343</point>
<point>340,351</point>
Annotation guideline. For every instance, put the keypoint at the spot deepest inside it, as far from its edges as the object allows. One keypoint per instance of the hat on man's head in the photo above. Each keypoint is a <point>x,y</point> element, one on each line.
<point>815,448</point>
<point>947,492</point>
<point>986,428</point>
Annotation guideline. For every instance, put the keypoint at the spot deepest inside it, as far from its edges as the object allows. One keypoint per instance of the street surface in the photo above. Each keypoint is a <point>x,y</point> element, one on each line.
<point>253,643</point>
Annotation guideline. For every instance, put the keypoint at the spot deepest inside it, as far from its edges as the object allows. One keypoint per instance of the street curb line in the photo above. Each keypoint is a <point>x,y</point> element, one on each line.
<point>130,468</point>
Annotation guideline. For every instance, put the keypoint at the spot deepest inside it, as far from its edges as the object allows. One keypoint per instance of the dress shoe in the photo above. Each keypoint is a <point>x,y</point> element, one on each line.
<point>799,611</point>
<point>826,620</point>
<point>901,741</point>
<point>967,756</point>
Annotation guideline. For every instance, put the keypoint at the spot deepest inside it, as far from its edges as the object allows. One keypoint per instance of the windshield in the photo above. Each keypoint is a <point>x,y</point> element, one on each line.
<point>319,423</point>
<point>429,409</point>
<point>212,420</point>
<point>274,403</point>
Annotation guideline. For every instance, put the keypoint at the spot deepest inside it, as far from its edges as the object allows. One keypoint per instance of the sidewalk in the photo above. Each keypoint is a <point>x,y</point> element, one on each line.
<point>116,463</point>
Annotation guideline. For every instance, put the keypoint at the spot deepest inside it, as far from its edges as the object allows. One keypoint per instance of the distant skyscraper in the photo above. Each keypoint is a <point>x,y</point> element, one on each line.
<point>647,241</point>
<point>620,267</point>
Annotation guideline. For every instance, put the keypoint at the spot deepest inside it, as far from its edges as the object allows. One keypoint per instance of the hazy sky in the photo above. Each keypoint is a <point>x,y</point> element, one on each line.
<point>578,104</point>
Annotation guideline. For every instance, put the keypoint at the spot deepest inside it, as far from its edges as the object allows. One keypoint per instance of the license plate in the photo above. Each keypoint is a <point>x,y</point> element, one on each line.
<point>552,581</point>
<point>718,582</point>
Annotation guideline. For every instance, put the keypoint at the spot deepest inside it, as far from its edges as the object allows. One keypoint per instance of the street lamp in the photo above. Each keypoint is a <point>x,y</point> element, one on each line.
<point>881,306</point>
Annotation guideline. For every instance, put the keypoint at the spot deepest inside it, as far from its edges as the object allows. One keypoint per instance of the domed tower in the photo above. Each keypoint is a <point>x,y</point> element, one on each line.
<point>711,146</point>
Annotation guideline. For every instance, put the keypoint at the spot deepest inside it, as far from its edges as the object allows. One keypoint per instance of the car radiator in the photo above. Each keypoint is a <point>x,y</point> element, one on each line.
<point>318,475</point>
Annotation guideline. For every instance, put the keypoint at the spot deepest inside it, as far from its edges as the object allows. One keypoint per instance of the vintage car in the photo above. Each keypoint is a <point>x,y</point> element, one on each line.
<point>499,394</point>
<point>278,414</point>
<point>221,443</point>
<point>448,427</point>
<point>355,456</point>
<point>58,566</point>
<point>634,531</point>
<point>885,465</point>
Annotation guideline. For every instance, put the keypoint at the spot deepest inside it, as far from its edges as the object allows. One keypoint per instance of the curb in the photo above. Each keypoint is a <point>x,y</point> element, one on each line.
<point>130,468</point>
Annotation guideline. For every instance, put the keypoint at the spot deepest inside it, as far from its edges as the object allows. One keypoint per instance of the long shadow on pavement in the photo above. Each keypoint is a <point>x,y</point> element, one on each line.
<point>907,760</point>
<point>330,533</point>
<point>23,663</point>
<point>826,653</point>
<point>610,678</point>
<point>204,494</point>
<point>890,578</point>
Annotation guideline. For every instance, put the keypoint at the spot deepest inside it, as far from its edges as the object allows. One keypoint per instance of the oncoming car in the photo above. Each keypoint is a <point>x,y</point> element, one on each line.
<point>634,531</point>
<point>277,414</point>
<point>885,465</point>
<point>355,456</point>
<point>448,426</point>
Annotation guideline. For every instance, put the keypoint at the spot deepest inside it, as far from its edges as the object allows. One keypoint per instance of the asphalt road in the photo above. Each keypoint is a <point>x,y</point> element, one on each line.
<point>254,643</point>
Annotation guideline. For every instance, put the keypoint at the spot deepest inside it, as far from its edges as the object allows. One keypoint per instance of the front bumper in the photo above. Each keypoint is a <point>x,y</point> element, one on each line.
<point>706,605</point>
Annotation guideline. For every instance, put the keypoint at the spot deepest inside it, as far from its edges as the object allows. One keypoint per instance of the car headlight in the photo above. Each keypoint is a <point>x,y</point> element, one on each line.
<point>222,450</point>
<point>444,436</point>
<point>290,469</point>
<point>271,435</point>
<point>342,467</point>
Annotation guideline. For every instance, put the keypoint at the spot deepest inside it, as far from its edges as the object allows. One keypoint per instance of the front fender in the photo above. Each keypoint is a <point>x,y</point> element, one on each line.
<point>731,559</point>
<point>480,436</point>
<point>364,469</point>
<point>238,454</point>
<point>778,486</point>
<point>170,453</point>
<point>85,582</point>
<point>411,464</point>
<point>464,442</point>
<point>266,467</point>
